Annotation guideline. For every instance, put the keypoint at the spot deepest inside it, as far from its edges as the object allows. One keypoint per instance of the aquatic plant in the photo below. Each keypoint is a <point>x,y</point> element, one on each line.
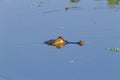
<point>113,2</point>
<point>113,49</point>
<point>74,1</point>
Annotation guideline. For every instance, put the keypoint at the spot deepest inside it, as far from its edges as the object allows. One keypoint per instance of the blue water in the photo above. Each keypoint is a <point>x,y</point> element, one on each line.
<point>24,27</point>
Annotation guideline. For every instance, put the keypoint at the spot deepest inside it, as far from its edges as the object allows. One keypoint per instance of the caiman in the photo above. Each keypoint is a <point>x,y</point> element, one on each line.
<point>60,42</point>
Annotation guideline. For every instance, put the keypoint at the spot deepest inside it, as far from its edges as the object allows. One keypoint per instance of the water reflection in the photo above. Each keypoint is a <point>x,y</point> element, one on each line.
<point>37,4</point>
<point>51,11</point>
<point>66,8</point>
<point>73,7</point>
<point>60,42</point>
<point>4,78</point>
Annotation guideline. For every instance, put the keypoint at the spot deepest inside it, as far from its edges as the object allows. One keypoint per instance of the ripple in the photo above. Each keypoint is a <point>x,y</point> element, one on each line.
<point>4,77</point>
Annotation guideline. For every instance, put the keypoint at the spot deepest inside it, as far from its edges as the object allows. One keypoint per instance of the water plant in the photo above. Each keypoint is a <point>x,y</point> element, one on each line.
<point>74,1</point>
<point>113,49</point>
<point>113,2</point>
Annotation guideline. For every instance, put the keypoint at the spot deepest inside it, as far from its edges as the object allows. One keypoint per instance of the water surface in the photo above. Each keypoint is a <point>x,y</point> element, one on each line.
<point>24,28</point>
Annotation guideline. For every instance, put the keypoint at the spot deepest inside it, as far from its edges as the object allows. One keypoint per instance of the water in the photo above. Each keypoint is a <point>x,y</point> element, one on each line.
<point>24,28</point>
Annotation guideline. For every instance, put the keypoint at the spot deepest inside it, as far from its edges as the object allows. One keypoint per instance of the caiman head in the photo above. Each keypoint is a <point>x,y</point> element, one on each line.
<point>59,42</point>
